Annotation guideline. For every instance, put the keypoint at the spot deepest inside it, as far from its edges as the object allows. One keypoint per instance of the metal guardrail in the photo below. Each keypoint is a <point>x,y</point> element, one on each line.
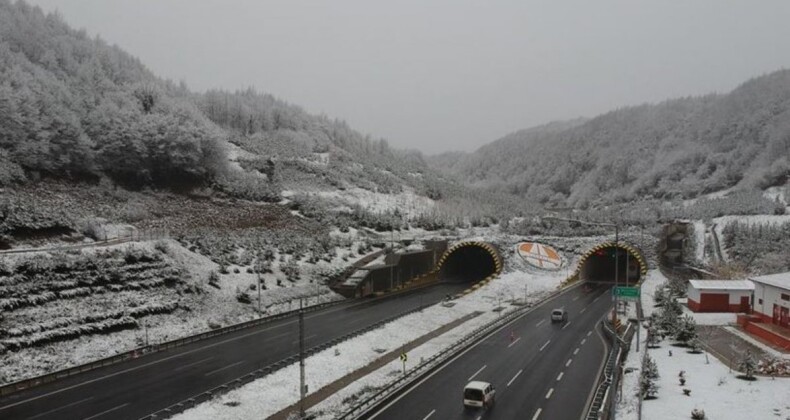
<point>147,350</point>
<point>598,405</point>
<point>238,382</point>
<point>365,406</point>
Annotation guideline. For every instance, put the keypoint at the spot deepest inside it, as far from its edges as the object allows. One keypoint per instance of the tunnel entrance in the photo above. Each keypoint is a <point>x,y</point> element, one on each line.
<point>610,263</point>
<point>469,262</point>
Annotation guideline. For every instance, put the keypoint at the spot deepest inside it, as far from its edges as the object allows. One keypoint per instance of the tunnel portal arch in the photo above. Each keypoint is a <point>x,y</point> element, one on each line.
<point>470,261</point>
<point>598,264</point>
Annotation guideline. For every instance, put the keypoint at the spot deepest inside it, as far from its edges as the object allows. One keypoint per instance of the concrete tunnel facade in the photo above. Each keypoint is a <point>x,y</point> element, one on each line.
<point>469,262</point>
<point>603,262</point>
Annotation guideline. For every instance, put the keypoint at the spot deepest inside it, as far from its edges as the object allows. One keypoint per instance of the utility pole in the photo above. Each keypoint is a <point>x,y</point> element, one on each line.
<point>302,386</point>
<point>616,272</point>
<point>259,295</point>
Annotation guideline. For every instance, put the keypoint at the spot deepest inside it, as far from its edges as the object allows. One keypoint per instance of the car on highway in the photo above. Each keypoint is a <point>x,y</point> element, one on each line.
<point>479,394</point>
<point>559,315</point>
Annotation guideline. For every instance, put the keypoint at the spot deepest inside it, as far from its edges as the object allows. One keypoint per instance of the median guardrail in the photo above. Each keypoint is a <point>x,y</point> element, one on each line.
<point>243,380</point>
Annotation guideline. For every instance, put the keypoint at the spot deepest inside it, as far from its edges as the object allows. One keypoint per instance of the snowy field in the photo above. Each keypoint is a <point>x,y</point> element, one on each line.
<point>714,388</point>
<point>275,392</point>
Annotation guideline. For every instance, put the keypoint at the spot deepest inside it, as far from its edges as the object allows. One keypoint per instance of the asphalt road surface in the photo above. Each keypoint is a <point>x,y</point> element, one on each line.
<point>139,387</point>
<point>540,369</point>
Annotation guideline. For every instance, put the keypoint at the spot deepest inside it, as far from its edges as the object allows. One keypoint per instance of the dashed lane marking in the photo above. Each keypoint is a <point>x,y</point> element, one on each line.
<point>540,323</point>
<point>584,340</point>
<point>560,375</point>
<point>566,325</point>
<point>193,363</point>
<point>537,414</point>
<point>223,368</point>
<point>514,342</point>
<point>429,415</point>
<point>478,371</point>
<point>568,363</point>
<point>105,412</point>
<point>576,298</point>
<point>59,408</point>
<point>548,394</point>
<point>575,352</point>
<point>544,346</point>
<point>589,333</point>
<point>514,378</point>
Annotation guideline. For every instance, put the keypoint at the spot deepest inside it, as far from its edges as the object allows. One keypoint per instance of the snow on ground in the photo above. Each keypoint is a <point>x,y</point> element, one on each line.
<point>407,202</point>
<point>275,392</point>
<point>762,219</point>
<point>777,193</point>
<point>714,388</point>
<point>768,349</point>
<point>699,239</point>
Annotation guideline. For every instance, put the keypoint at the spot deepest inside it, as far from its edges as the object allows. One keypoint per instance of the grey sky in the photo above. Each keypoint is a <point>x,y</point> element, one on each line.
<point>448,75</point>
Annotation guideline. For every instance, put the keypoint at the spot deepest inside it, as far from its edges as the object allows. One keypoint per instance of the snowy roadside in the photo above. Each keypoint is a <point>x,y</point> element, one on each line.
<point>275,392</point>
<point>713,387</point>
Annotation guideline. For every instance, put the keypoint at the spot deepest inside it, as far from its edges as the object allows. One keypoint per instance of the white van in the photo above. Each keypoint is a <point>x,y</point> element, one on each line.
<point>559,315</point>
<point>479,394</point>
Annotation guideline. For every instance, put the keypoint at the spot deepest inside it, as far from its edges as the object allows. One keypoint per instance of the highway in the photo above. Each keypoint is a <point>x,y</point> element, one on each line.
<point>540,369</point>
<point>139,387</point>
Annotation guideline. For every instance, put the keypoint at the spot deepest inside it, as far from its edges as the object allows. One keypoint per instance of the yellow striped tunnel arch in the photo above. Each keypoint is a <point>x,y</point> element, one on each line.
<point>633,251</point>
<point>492,250</point>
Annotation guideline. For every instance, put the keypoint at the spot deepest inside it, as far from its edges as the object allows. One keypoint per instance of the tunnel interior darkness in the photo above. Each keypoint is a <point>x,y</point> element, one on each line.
<point>603,264</point>
<point>469,263</point>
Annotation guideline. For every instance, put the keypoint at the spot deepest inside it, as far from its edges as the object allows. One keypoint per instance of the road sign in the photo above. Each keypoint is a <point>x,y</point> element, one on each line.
<point>404,357</point>
<point>626,292</point>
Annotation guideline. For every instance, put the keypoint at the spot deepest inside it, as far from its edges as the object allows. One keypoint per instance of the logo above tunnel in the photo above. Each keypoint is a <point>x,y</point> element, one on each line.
<point>539,255</point>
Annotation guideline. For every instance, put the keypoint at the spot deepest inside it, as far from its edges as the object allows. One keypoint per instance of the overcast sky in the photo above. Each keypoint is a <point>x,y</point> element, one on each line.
<point>448,75</point>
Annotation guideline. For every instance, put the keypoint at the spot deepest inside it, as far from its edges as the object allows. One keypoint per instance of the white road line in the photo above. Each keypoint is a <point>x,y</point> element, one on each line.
<point>223,368</point>
<point>193,364</point>
<point>478,371</point>
<point>105,412</point>
<point>596,299</point>
<point>576,298</point>
<point>583,309</point>
<point>537,414</point>
<point>560,375</point>
<point>479,417</point>
<point>575,352</point>
<point>514,342</point>
<point>429,415</point>
<point>568,363</point>
<point>589,333</point>
<point>514,378</point>
<point>59,408</point>
<point>544,346</point>
<point>540,323</point>
<point>548,394</point>
<point>305,339</point>
<point>566,325</point>
<point>584,340</point>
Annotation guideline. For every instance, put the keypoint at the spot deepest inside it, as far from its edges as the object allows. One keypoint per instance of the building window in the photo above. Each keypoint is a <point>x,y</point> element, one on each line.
<point>760,301</point>
<point>785,296</point>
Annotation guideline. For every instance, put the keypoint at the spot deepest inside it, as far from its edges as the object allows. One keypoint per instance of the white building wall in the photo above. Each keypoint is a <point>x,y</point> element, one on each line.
<point>770,295</point>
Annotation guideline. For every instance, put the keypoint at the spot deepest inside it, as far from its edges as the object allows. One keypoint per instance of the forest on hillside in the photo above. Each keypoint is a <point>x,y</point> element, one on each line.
<point>682,148</point>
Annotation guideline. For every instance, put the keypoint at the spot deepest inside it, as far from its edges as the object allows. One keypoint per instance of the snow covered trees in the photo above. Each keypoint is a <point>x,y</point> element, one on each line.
<point>748,365</point>
<point>685,330</point>
<point>647,385</point>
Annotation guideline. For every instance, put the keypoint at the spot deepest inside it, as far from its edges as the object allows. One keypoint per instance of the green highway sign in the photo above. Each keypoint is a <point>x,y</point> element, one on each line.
<point>632,292</point>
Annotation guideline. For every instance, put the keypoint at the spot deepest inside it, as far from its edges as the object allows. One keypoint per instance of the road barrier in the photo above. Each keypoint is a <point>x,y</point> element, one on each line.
<point>603,401</point>
<point>151,349</point>
<point>243,380</point>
